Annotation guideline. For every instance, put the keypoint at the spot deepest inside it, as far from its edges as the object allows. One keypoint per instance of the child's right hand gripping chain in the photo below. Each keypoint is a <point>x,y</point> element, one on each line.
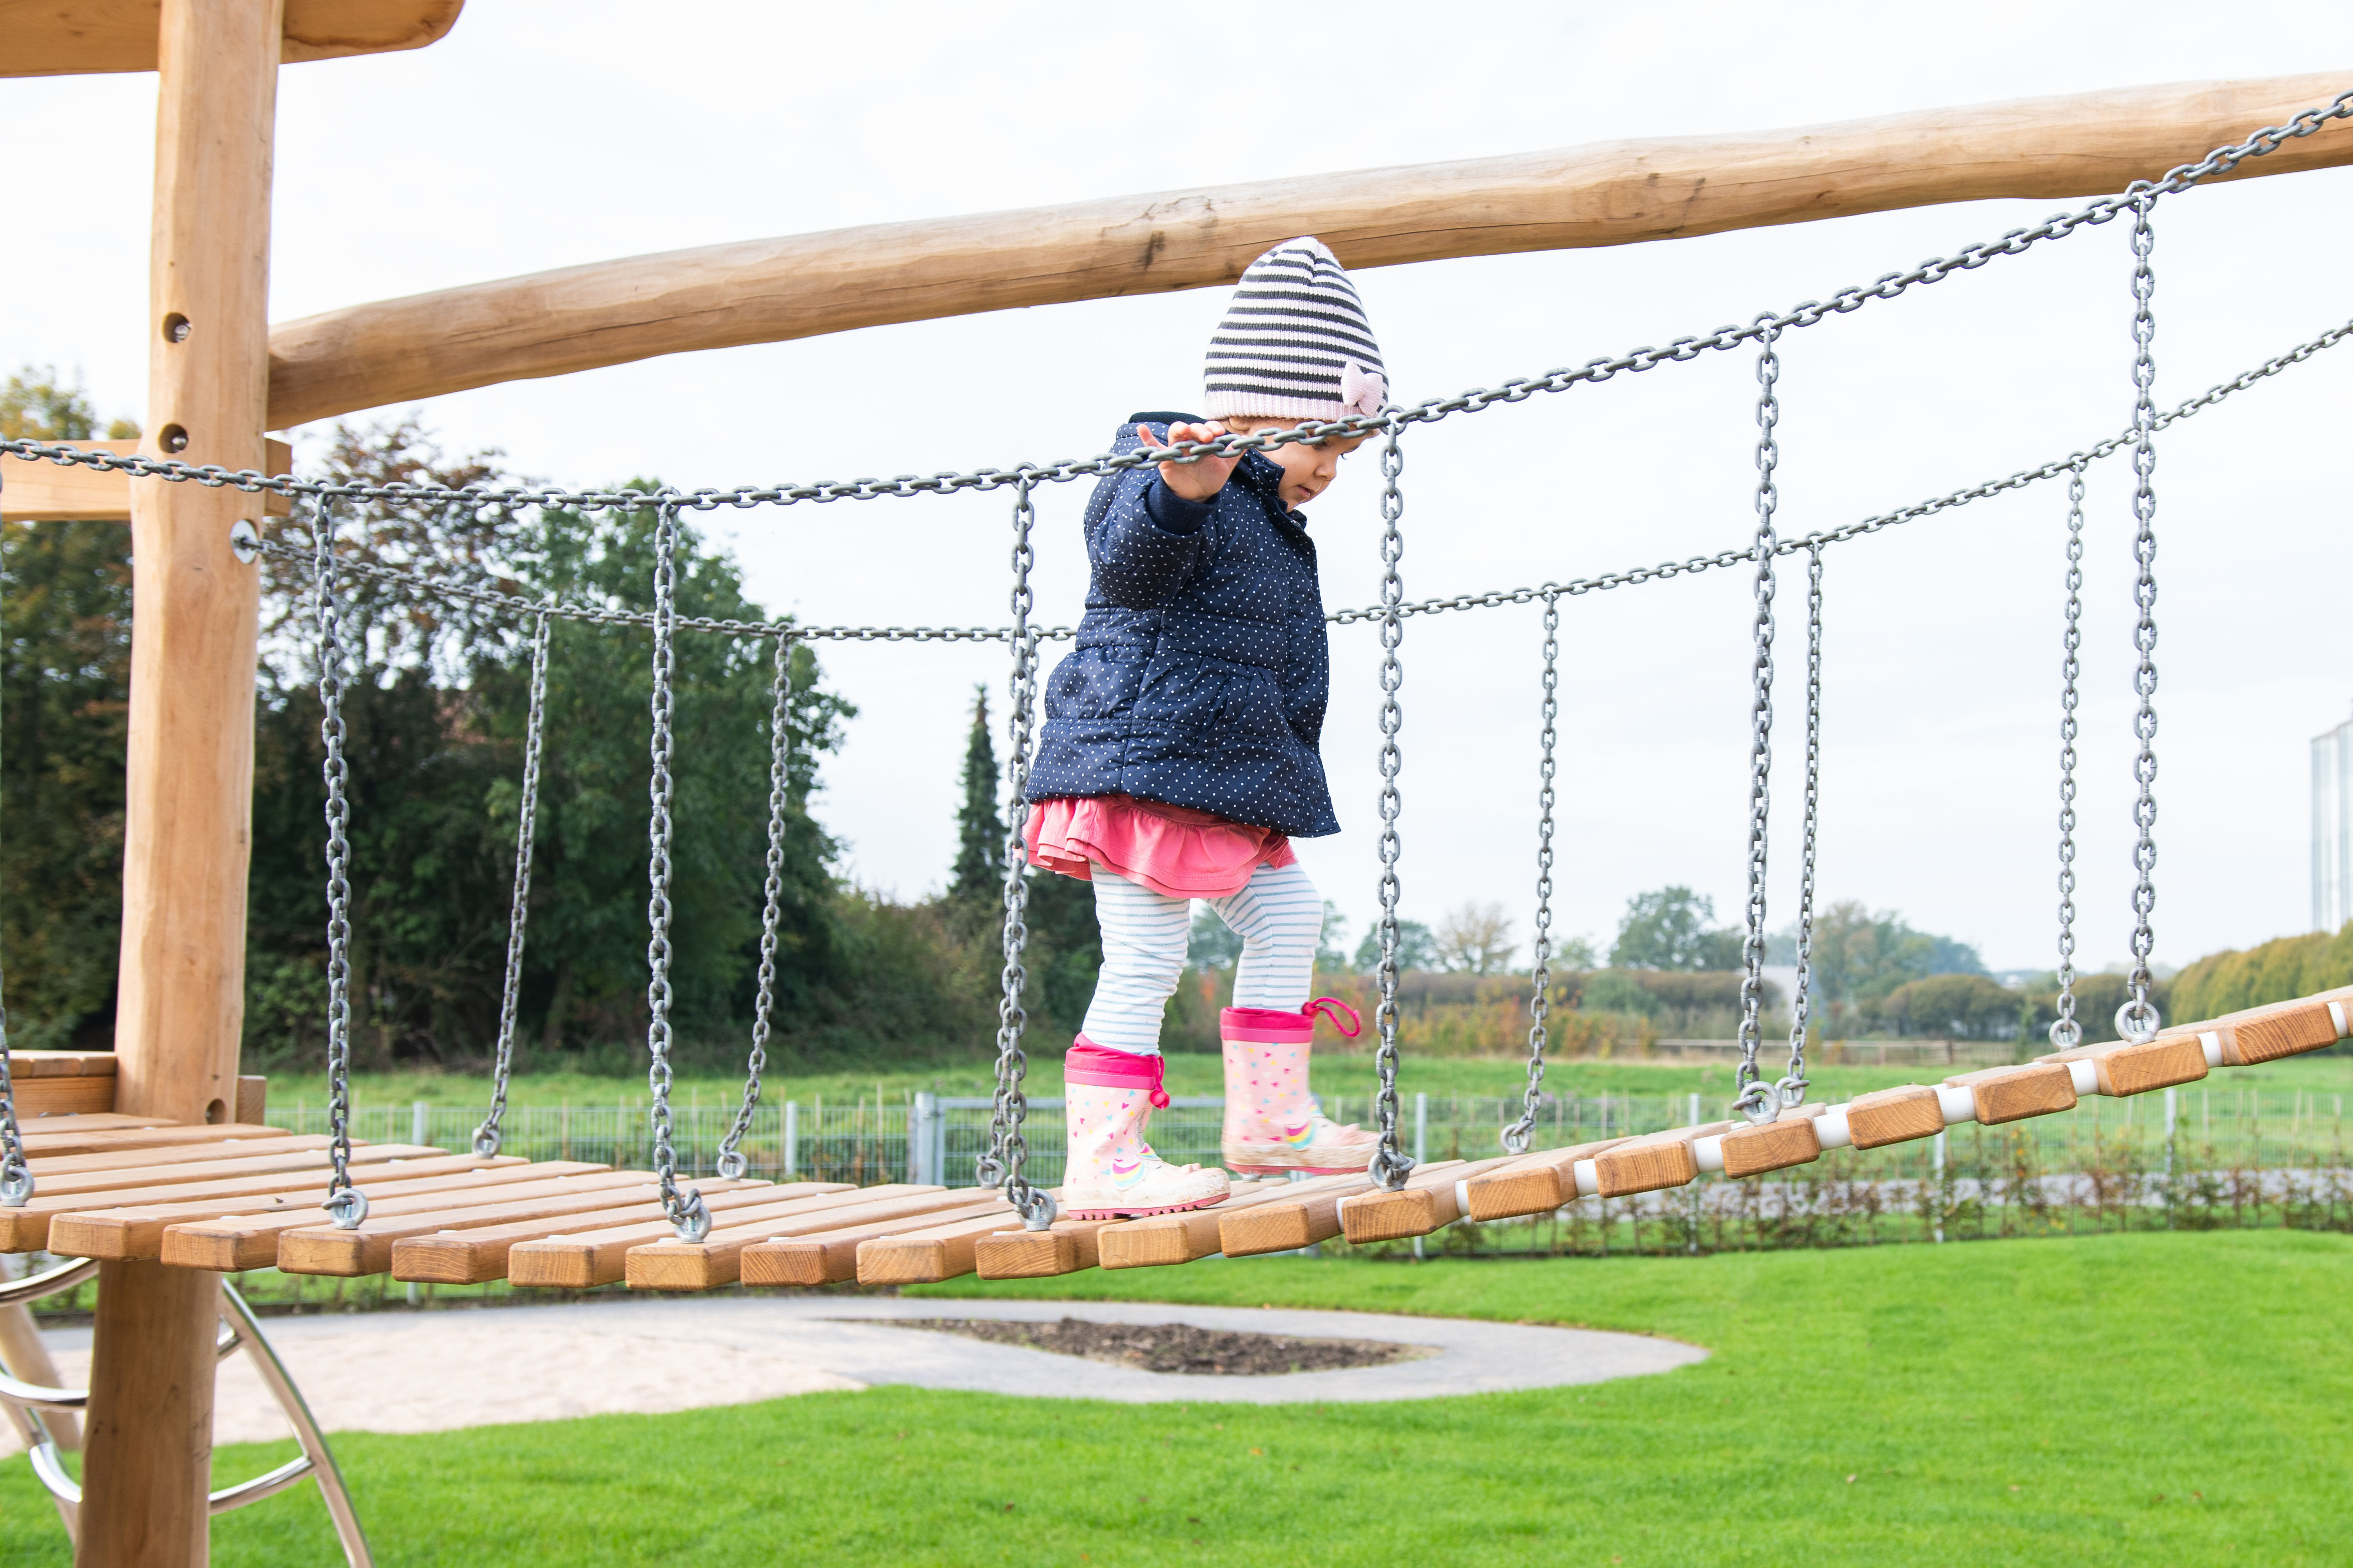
<point>1201,478</point>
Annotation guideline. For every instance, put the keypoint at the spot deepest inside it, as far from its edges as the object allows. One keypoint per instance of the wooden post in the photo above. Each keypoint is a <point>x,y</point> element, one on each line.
<point>193,618</point>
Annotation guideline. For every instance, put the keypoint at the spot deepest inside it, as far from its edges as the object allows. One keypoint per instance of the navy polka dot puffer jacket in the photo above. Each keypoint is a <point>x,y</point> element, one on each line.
<point>1201,672</point>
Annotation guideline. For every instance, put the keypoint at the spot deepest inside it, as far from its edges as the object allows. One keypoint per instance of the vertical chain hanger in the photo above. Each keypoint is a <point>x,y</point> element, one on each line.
<point>732,1162</point>
<point>346,1205</point>
<point>2066,1032</point>
<point>689,1215</point>
<point>15,1170</point>
<point>1792,1087</point>
<point>2138,1019</point>
<point>1391,1164</point>
<point>1515,1136</point>
<point>1753,1096</point>
<point>1009,1149</point>
<point>488,1136</point>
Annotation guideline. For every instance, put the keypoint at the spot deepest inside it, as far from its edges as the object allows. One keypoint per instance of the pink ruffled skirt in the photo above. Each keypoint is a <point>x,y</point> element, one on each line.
<point>1175,852</point>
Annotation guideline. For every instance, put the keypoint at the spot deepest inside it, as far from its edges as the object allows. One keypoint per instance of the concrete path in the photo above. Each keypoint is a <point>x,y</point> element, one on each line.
<point>424,1372</point>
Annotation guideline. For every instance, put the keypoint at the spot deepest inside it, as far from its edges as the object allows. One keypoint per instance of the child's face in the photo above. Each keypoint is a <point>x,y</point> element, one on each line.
<point>1307,471</point>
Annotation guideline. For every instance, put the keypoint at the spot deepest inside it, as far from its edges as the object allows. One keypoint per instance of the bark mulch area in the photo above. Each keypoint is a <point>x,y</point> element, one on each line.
<point>1174,1347</point>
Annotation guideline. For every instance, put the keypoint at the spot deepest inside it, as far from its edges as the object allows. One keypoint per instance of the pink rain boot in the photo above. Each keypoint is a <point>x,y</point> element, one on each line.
<point>1274,1126</point>
<point>1108,1099</point>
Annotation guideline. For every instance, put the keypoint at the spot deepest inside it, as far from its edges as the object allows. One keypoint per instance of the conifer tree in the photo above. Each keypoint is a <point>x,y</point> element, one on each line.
<point>979,876</point>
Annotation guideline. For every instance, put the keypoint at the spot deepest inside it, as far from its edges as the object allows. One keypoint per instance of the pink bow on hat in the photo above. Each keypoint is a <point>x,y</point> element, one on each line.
<point>1362,391</point>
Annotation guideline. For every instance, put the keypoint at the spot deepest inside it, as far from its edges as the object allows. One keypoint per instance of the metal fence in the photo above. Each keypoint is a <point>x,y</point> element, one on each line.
<point>936,1139</point>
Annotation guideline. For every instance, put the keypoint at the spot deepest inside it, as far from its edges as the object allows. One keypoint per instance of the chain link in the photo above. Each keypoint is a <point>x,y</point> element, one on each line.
<point>732,1162</point>
<point>2138,1019</point>
<point>1515,1136</point>
<point>1792,1087</point>
<point>488,1136</point>
<point>15,1170</point>
<point>1008,1149</point>
<point>2066,1031</point>
<point>346,1205</point>
<point>1751,1096</point>
<point>1391,1164</point>
<point>688,1216</point>
<point>1968,259</point>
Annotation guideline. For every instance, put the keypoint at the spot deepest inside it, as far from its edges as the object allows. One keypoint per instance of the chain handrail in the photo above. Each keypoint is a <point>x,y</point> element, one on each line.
<point>1792,1087</point>
<point>488,1136</point>
<point>1844,301</point>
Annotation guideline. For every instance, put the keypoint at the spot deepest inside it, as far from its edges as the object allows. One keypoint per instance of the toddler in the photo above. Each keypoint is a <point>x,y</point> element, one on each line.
<point>1178,757</point>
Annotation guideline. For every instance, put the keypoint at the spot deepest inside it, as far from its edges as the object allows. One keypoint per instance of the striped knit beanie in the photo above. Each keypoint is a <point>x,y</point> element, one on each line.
<point>1294,344</point>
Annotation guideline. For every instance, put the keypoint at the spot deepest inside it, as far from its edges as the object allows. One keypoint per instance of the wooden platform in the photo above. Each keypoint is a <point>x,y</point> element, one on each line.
<point>244,1195</point>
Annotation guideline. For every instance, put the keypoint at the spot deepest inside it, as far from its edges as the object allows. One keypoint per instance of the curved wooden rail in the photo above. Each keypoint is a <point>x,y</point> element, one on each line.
<point>1617,192</point>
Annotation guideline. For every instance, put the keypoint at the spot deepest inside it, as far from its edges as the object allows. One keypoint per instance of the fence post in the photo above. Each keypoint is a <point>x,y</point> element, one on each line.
<point>792,1138</point>
<point>420,1123</point>
<point>1936,1163</point>
<point>939,1141</point>
<point>919,1169</point>
<point>1694,1119</point>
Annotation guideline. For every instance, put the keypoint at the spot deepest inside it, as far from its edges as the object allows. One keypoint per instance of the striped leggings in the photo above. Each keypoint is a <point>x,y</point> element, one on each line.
<point>1278,915</point>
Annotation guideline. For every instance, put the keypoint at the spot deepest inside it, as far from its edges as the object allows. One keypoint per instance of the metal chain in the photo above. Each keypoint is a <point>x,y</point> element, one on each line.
<point>1515,1136</point>
<point>1391,1164</point>
<point>2138,1019</point>
<point>2065,1032</point>
<point>731,1163</point>
<point>15,1170</point>
<point>488,1136</point>
<point>1492,599</point>
<point>1009,1150</point>
<point>1968,259</point>
<point>346,1205</point>
<point>1752,1097</point>
<point>1792,1087</point>
<point>688,1216</point>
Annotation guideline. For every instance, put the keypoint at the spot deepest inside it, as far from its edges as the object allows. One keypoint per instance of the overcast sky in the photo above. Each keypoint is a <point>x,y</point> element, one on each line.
<point>539,135</point>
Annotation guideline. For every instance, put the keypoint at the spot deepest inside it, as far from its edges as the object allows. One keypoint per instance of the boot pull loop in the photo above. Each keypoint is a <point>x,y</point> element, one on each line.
<point>1333,1006</point>
<point>1159,1094</point>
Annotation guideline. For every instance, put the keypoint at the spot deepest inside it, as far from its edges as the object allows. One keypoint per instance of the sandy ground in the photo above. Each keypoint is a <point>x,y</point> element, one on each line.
<point>431,1370</point>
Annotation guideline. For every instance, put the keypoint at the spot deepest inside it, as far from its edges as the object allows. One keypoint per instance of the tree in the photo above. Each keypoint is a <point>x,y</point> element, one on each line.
<point>1674,928</point>
<point>1860,955</point>
<point>1476,939</point>
<point>979,873</point>
<point>1332,942</point>
<point>34,407</point>
<point>1417,948</point>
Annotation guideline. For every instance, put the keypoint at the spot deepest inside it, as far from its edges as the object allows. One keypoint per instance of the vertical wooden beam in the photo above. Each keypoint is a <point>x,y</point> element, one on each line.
<point>148,1450</point>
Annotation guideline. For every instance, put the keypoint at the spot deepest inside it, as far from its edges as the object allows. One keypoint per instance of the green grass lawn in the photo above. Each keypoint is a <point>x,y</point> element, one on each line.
<point>2156,1398</point>
<point>1195,1073</point>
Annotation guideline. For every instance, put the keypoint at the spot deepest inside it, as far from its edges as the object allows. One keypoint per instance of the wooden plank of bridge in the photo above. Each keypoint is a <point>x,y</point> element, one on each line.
<point>349,1254</point>
<point>1791,1139</point>
<point>2014,1093</point>
<point>586,1254</point>
<point>1065,1247</point>
<point>1531,1184</point>
<point>1308,1213</point>
<point>473,1256</point>
<point>23,1229</point>
<point>1430,1199</point>
<point>141,1231</point>
<point>95,1120</point>
<point>134,1139</point>
<point>1894,1116</point>
<point>1653,1162</point>
<point>1162,1239</point>
<point>2266,1034</point>
<point>2124,1067</point>
<point>830,1257</point>
<point>665,1263</point>
<point>926,1257</point>
<point>105,1171</point>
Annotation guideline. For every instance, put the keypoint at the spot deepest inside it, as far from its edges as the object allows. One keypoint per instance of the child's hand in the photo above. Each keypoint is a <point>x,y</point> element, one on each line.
<point>1204,477</point>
